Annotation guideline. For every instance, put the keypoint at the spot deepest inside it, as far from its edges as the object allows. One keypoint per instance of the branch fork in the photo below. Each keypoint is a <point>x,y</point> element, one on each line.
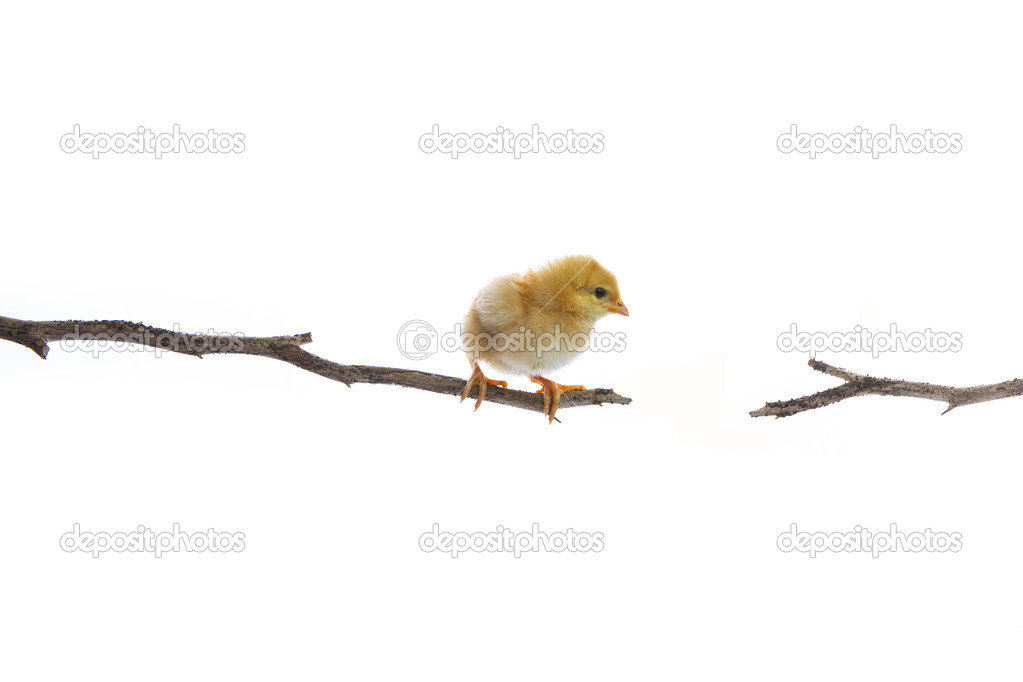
<point>862,384</point>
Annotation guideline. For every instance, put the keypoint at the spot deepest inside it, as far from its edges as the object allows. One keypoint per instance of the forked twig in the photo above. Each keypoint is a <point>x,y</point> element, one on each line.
<point>861,384</point>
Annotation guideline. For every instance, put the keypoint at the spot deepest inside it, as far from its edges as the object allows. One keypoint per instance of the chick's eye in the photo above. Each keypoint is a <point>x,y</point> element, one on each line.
<point>600,292</point>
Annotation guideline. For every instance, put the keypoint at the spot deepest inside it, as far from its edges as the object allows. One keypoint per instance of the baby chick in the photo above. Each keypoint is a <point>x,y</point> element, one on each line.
<point>535,323</point>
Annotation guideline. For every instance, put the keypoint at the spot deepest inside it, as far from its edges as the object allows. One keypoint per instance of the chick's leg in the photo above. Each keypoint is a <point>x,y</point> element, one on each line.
<point>477,379</point>
<point>552,391</point>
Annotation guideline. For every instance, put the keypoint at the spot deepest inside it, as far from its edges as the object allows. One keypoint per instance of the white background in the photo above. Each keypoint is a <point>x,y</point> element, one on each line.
<point>332,221</point>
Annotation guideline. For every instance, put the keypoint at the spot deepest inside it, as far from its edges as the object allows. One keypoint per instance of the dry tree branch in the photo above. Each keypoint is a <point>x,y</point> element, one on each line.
<point>861,384</point>
<point>35,335</point>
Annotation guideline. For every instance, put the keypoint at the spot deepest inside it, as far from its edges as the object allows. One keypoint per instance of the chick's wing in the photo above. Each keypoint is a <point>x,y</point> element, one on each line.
<point>501,306</point>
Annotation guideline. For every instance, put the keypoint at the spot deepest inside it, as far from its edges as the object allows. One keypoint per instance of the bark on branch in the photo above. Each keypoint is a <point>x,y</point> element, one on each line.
<point>861,384</point>
<point>36,335</point>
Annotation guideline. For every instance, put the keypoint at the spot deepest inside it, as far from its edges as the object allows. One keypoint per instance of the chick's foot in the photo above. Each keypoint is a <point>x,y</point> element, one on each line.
<point>552,391</point>
<point>477,379</point>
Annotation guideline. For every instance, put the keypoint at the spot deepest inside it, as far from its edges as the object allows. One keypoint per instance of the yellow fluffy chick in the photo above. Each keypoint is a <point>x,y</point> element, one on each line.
<point>536,323</point>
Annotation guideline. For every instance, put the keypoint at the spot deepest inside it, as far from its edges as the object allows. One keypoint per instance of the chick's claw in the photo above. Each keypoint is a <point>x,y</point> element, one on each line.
<point>477,379</point>
<point>552,391</point>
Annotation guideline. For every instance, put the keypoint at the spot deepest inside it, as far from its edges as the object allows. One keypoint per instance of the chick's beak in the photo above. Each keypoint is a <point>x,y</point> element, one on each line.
<point>618,308</point>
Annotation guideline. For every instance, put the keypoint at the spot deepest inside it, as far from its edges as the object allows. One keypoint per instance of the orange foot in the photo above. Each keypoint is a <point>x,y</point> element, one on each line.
<point>552,391</point>
<point>477,379</point>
